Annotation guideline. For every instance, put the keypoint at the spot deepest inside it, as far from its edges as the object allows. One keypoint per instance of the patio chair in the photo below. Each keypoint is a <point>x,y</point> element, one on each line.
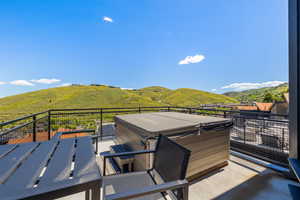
<point>165,178</point>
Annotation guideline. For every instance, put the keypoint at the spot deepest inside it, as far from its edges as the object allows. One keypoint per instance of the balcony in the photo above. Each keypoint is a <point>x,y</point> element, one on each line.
<point>258,157</point>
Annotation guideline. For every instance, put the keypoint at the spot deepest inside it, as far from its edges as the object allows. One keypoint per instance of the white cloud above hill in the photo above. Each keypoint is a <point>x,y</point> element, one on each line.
<point>46,80</point>
<point>107,19</point>
<point>248,86</point>
<point>192,59</point>
<point>21,83</point>
<point>65,85</point>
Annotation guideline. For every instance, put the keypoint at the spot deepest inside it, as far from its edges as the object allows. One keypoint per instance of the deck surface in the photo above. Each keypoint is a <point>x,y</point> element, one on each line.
<point>241,179</point>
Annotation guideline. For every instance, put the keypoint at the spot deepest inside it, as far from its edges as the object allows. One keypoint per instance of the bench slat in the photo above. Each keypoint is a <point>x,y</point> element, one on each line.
<point>5,149</point>
<point>11,161</point>
<point>59,167</point>
<point>26,175</point>
<point>85,159</point>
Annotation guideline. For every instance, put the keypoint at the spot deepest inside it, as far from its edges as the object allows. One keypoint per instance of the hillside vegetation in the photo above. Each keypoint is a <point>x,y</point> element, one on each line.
<point>267,94</point>
<point>103,96</point>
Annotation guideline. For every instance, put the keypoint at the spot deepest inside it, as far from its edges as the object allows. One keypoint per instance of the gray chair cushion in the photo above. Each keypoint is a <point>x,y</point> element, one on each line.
<point>129,182</point>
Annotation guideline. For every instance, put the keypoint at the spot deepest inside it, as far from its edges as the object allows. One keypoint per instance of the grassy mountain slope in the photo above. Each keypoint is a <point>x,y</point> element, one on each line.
<point>103,96</point>
<point>259,94</point>
<point>155,93</point>
<point>192,97</point>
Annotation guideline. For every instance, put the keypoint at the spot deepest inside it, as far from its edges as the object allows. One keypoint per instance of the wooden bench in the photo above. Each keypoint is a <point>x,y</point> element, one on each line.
<point>43,170</point>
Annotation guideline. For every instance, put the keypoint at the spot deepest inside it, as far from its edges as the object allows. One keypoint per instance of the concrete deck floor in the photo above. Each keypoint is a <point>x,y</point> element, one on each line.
<point>240,180</point>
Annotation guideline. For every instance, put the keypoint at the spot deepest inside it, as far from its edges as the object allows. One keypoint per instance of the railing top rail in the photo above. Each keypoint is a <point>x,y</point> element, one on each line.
<point>245,112</point>
<point>15,128</point>
<point>21,125</point>
<point>113,109</point>
<point>178,107</point>
<point>261,119</point>
<point>103,112</point>
<point>21,118</point>
<point>107,108</point>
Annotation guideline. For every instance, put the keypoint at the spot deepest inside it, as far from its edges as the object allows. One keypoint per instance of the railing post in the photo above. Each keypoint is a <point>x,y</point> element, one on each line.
<point>49,124</point>
<point>104,166</point>
<point>185,193</point>
<point>244,131</point>
<point>139,109</point>
<point>168,108</point>
<point>34,128</point>
<point>190,110</point>
<point>97,145</point>
<point>101,121</point>
<point>225,114</point>
<point>1,137</point>
<point>282,145</point>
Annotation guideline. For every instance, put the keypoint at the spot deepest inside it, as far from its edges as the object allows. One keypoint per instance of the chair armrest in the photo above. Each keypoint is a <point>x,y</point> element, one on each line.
<point>94,136</point>
<point>295,165</point>
<point>112,155</point>
<point>149,190</point>
<point>107,154</point>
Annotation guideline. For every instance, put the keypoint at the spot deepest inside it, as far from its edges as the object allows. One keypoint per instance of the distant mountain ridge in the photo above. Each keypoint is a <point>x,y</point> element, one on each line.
<point>81,96</point>
<point>258,95</point>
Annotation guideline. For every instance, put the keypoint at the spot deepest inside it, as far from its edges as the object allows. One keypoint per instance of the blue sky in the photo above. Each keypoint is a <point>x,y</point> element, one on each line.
<point>212,45</point>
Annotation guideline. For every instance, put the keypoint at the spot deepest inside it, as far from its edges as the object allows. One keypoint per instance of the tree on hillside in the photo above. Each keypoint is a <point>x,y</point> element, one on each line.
<point>268,97</point>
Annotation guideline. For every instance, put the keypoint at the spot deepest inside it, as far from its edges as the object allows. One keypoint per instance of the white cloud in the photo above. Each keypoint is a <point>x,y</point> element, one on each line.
<point>21,83</point>
<point>46,81</point>
<point>107,19</point>
<point>248,86</point>
<point>192,59</point>
<point>2,83</point>
<point>214,90</point>
<point>127,89</point>
<point>65,85</point>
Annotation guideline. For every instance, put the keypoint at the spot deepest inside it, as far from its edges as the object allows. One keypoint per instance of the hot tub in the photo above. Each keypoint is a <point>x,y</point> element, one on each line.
<point>207,138</point>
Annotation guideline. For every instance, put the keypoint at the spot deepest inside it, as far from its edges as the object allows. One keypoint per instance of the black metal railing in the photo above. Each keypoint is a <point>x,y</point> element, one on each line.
<point>263,135</point>
<point>31,128</point>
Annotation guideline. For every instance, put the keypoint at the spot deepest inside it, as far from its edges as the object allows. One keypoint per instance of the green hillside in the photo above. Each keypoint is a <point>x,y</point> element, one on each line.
<point>259,95</point>
<point>104,96</point>
<point>192,97</point>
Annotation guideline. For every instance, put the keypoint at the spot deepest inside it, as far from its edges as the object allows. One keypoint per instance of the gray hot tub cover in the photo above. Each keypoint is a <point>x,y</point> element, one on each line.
<point>169,123</point>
